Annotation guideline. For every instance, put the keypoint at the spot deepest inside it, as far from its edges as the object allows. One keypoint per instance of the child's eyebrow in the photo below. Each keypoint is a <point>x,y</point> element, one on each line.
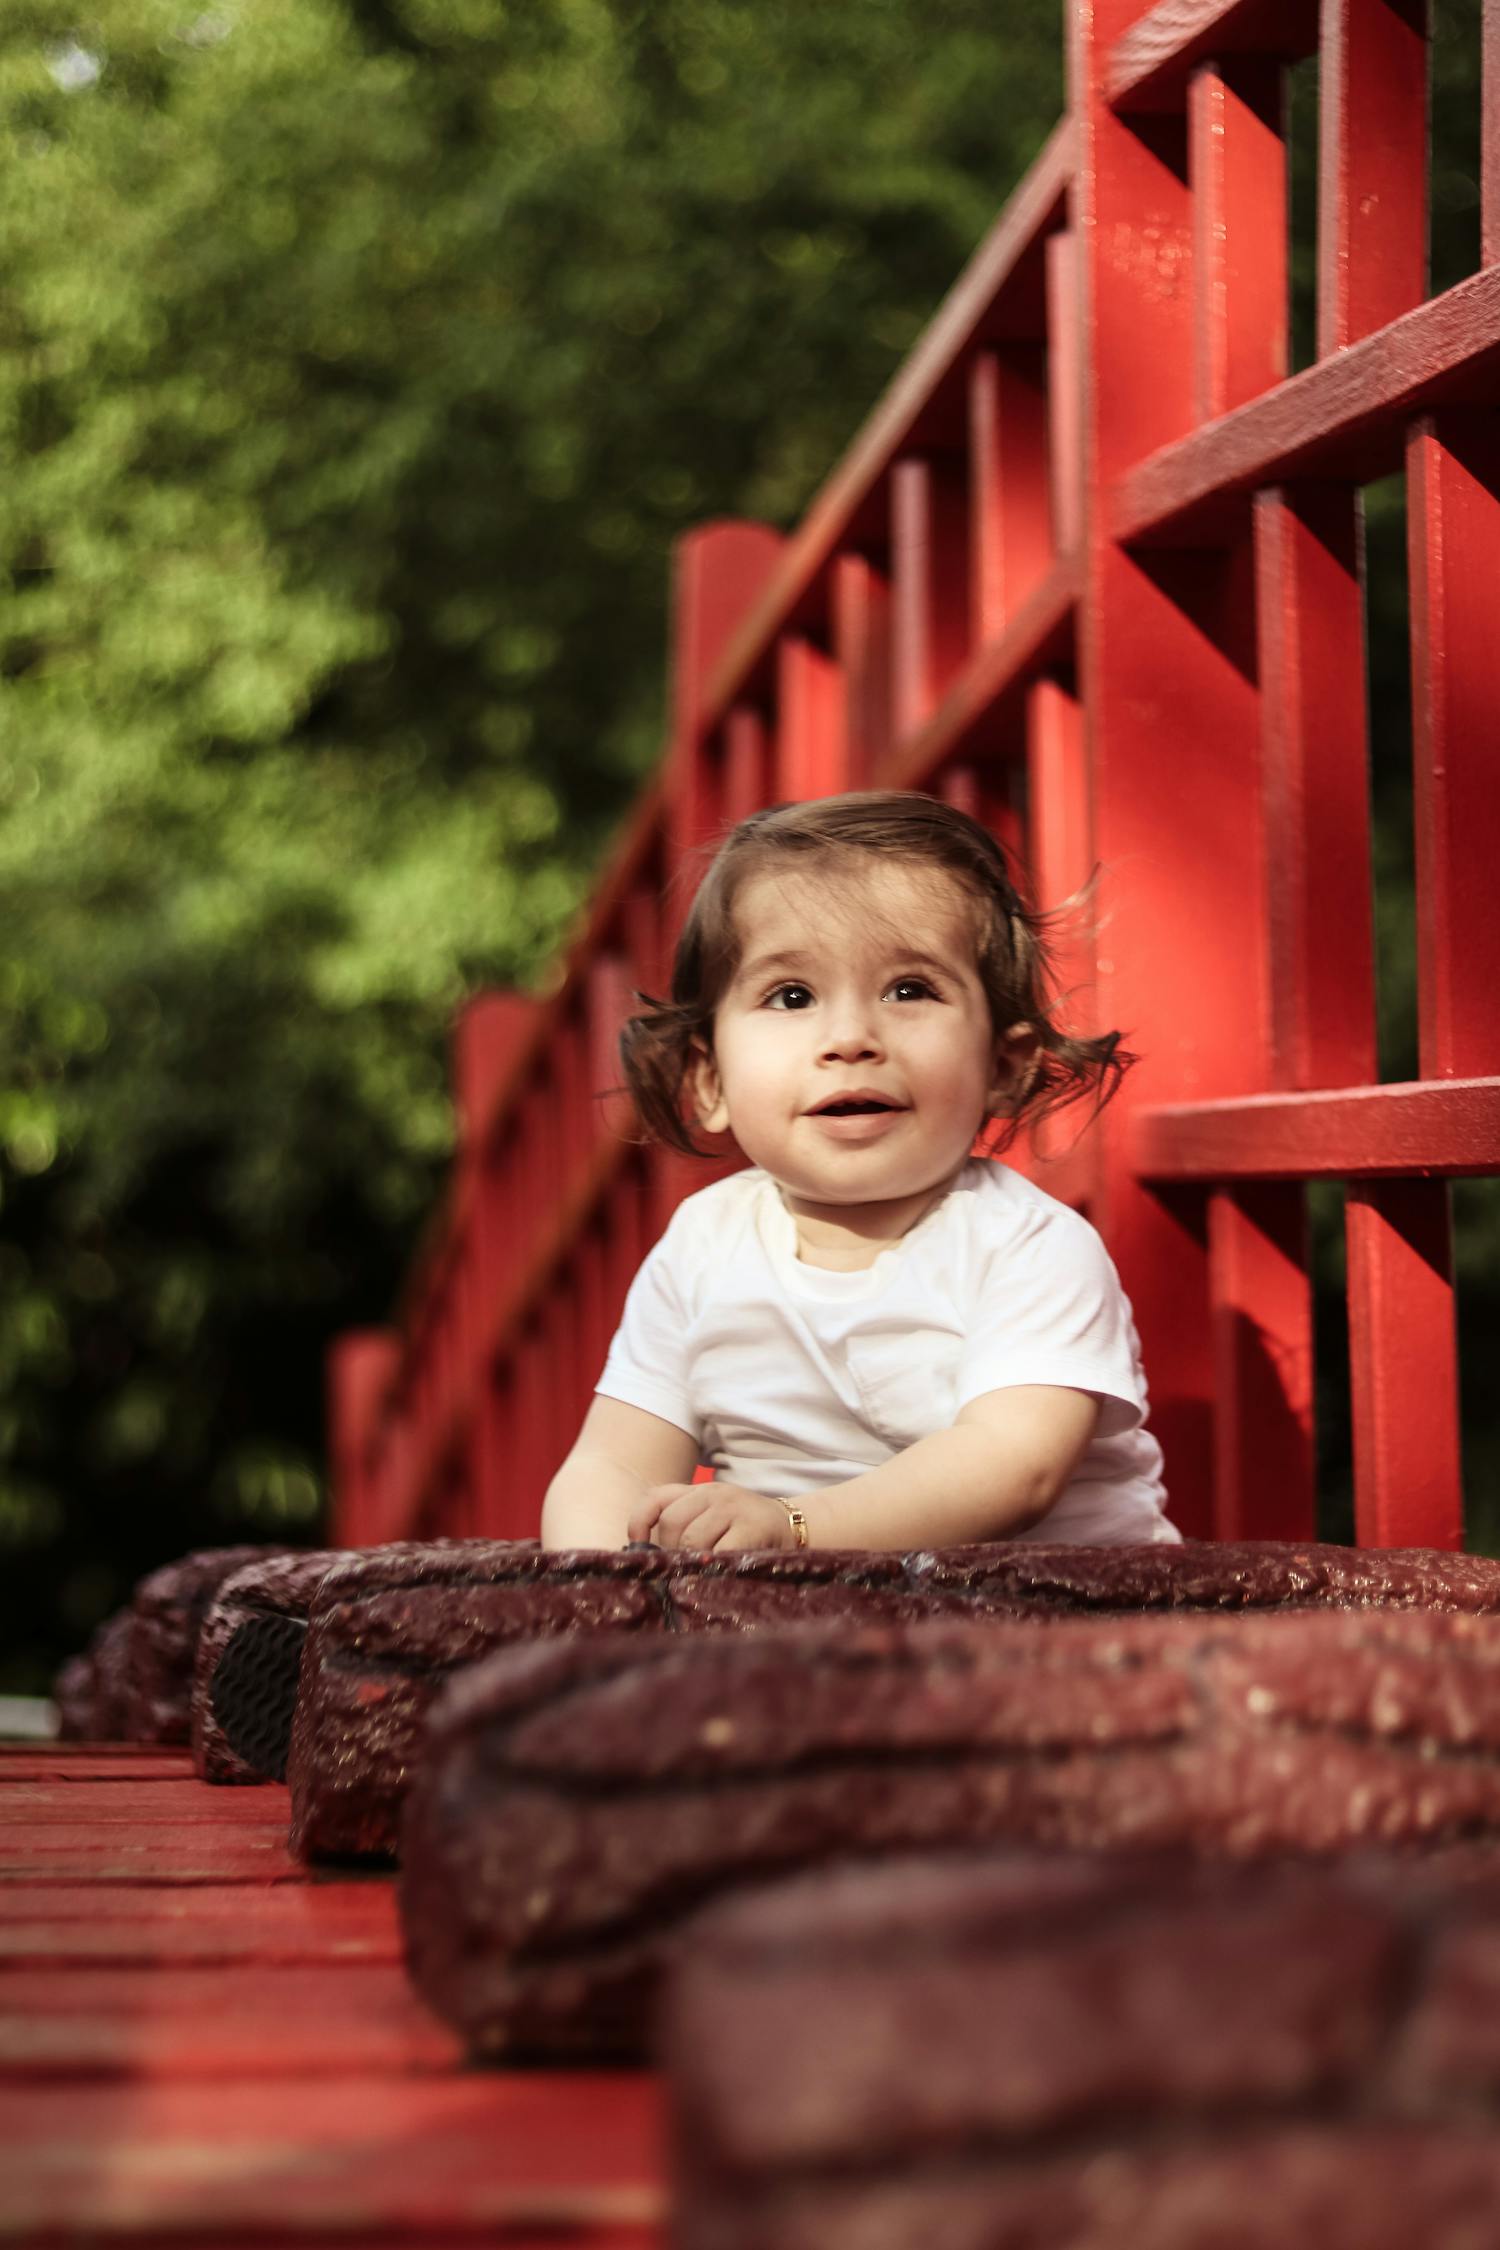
<point>765,962</point>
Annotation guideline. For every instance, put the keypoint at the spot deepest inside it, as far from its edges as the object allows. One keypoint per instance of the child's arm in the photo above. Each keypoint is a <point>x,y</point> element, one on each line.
<point>997,1471</point>
<point>619,1454</point>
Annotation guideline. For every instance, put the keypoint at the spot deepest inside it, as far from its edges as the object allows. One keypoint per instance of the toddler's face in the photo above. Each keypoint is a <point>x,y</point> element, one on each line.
<point>862,989</point>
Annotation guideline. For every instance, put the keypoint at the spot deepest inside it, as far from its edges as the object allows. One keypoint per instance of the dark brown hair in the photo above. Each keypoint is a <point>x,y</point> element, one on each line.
<point>1011,950</point>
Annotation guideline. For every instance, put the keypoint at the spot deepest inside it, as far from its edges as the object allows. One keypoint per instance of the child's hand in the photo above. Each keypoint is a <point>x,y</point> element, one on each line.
<point>701,1516</point>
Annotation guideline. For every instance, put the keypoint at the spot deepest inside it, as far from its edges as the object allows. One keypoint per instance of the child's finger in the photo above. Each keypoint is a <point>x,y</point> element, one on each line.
<point>648,1513</point>
<point>680,1523</point>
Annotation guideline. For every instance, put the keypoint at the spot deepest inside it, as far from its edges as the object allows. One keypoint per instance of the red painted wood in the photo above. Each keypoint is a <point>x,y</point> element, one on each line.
<point>1264,1454</point>
<point>490,1037</point>
<point>1403,1363</point>
<point>1064,392</point>
<point>1454,534</point>
<point>747,764</point>
<point>929,587</point>
<point>361,1368</point>
<point>245,2065</point>
<point>860,604</point>
<point>1489,156</point>
<point>812,721</point>
<point>94,1761</point>
<point>1010,511</point>
<point>1060,857</point>
<point>524,2160</point>
<point>1150,64</point>
<point>988,696</point>
<point>1446,1130</point>
<point>43,1803</point>
<point>1238,168</point>
<point>1309,552</point>
<point>1343,418</point>
<point>1169,683</point>
<point>722,569</point>
<point>1372,166</point>
<point>282,2023</point>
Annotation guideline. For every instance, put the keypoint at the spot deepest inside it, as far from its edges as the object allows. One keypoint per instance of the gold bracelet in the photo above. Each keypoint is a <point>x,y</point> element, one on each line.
<point>795,1518</point>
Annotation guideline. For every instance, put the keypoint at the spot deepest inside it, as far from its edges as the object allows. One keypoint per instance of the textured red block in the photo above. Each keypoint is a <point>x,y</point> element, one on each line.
<point>578,1801</point>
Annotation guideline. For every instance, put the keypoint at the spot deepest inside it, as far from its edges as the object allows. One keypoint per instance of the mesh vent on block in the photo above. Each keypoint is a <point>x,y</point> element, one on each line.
<point>254,1691</point>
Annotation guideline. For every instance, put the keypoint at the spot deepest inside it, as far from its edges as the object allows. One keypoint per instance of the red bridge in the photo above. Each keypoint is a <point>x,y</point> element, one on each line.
<point>1093,570</point>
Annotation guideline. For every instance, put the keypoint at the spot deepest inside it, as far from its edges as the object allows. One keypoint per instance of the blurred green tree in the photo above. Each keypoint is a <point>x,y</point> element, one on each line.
<point>359,360</point>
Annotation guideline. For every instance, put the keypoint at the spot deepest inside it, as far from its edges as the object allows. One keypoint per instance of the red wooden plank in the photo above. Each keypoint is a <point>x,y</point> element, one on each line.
<point>1403,1361</point>
<point>1064,392</point>
<point>929,587</point>
<point>811,721</point>
<point>747,764</point>
<point>362,1897</point>
<point>46,1805</point>
<point>515,2158</point>
<point>182,1853</point>
<point>860,606</point>
<point>1263,1364</point>
<point>1010,510</point>
<point>1454,534</point>
<point>1149,66</point>
<point>61,1926</point>
<point>1489,139</point>
<point>1060,855</point>
<point>1173,722</point>
<point>1344,417</point>
<point>1449,1129</point>
<point>1038,637</point>
<point>1309,554</point>
<point>1372,166</point>
<point>1237,164</point>
<point>722,570</point>
<point>278,2022</point>
<point>89,1762</point>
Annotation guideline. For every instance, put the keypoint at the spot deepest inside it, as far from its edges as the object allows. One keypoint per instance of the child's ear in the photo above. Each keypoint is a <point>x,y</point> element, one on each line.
<point>1016,1054</point>
<point>709,1105</point>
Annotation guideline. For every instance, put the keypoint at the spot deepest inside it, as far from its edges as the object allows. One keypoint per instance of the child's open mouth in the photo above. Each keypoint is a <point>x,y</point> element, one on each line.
<point>856,1120</point>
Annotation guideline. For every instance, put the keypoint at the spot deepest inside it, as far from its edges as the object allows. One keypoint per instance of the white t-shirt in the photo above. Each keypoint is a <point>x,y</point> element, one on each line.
<point>792,1377</point>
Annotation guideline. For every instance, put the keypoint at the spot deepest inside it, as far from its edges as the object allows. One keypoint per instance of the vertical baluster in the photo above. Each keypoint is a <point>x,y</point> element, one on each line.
<point>1453,472</point>
<point>861,608</point>
<point>1010,505</point>
<point>1059,854</point>
<point>1489,136</point>
<point>1309,551</point>
<point>720,571</point>
<point>1372,166</point>
<point>1237,165</point>
<point>1261,1314</point>
<point>1065,392</point>
<point>929,586</point>
<point>1403,1353</point>
<point>1173,735</point>
<point>812,722</point>
<point>747,763</point>
<point>361,1367</point>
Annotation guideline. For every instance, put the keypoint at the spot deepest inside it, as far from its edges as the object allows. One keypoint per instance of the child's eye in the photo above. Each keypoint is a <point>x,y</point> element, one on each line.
<point>781,997</point>
<point>914,984</point>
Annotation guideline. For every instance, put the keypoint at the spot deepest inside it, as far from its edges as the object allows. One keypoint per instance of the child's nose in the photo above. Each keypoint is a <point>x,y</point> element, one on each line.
<point>852,1034</point>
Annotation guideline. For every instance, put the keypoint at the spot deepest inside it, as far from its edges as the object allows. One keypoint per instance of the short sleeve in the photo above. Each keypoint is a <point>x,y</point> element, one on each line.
<point>1050,1309</point>
<point>648,1362</point>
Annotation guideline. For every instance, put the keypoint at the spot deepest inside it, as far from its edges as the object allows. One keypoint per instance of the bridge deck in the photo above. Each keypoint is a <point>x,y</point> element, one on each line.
<point>200,2042</point>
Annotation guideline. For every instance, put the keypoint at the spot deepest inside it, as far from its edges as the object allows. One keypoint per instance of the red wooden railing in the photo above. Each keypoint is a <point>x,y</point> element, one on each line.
<point>1093,569</point>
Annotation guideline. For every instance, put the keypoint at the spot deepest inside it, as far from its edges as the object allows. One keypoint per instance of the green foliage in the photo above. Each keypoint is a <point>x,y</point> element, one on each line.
<point>359,361</point>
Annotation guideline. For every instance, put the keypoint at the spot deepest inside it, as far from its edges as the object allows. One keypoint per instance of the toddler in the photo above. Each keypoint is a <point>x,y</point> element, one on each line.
<point>874,1338</point>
